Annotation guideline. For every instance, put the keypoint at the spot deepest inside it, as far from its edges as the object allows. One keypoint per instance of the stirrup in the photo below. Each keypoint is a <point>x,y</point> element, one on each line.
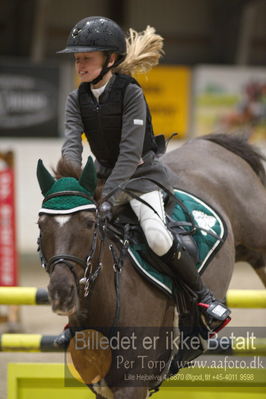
<point>216,310</point>
<point>216,315</point>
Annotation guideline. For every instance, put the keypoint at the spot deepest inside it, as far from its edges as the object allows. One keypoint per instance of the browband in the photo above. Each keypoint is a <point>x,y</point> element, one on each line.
<point>68,193</point>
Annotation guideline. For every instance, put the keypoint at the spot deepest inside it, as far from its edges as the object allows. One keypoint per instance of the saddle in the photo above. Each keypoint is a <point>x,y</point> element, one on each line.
<point>195,224</point>
<point>124,219</point>
<point>124,216</point>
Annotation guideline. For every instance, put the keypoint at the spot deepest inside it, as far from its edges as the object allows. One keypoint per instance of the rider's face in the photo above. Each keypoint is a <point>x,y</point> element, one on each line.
<point>89,65</point>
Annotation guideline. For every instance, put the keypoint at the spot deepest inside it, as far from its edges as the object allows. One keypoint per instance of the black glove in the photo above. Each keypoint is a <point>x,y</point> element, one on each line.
<point>105,211</point>
<point>63,339</point>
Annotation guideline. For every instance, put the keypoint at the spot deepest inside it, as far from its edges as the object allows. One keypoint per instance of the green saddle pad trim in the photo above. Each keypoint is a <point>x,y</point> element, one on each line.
<point>204,217</point>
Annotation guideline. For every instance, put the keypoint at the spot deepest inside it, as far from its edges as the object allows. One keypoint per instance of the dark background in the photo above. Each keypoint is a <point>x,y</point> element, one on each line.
<point>196,32</point>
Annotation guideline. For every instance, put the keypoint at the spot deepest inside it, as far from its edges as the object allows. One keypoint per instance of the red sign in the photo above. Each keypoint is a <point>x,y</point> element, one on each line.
<point>8,258</point>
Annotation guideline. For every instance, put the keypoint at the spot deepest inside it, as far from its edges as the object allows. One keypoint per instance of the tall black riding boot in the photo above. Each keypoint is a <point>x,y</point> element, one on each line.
<point>216,314</point>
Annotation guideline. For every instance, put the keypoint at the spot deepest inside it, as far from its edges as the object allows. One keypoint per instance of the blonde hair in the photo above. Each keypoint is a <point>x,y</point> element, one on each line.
<point>144,49</point>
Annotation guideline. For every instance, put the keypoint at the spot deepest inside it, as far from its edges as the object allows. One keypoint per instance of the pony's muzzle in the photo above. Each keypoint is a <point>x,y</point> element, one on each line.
<point>64,305</point>
<point>63,294</point>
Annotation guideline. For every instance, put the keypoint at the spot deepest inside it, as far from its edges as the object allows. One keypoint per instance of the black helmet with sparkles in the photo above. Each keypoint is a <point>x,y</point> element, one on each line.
<point>96,34</point>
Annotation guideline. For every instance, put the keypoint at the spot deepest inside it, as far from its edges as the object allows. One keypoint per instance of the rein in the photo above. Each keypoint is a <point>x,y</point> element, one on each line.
<point>90,276</point>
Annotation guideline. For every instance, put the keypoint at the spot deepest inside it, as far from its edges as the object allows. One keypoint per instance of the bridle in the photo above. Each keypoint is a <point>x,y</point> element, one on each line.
<point>71,260</point>
<point>90,273</point>
<point>62,259</point>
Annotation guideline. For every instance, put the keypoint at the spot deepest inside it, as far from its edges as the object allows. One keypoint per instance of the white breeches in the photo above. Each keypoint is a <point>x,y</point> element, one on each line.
<point>157,235</point>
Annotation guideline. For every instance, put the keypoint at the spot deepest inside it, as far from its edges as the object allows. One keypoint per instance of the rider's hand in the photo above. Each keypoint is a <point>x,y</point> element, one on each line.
<point>105,211</point>
<point>63,339</point>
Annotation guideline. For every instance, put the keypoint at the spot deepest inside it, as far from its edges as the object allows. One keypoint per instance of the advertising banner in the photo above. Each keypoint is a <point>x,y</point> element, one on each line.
<point>8,256</point>
<point>28,99</point>
<point>230,99</point>
<point>167,91</point>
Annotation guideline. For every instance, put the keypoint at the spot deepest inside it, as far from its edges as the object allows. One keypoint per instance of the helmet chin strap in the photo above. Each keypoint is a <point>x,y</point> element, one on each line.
<point>104,70</point>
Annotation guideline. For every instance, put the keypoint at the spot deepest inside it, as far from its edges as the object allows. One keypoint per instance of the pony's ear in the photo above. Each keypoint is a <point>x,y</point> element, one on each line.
<point>45,179</point>
<point>88,177</point>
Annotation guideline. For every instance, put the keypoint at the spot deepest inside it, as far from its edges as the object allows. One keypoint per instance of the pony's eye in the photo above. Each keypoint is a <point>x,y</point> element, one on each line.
<point>86,219</point>
<point>89,223</point>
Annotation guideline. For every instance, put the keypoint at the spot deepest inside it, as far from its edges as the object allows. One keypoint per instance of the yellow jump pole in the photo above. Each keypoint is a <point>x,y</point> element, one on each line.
<point>46,343</point>
<point>28,343</point>
<point>21,342</point>
<point>246,298</point>
<point>23,296</point>
<point>39,296</point>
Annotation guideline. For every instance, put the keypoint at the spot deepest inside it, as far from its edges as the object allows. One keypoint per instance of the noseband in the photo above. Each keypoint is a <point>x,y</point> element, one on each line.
<point>50,264</point>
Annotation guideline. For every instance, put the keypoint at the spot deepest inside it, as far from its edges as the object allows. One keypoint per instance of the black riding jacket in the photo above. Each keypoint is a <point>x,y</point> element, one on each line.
<point>103,121</point>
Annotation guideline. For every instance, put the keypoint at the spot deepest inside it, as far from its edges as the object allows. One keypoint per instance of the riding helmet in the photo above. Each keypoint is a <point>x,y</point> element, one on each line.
<point>96,34</point>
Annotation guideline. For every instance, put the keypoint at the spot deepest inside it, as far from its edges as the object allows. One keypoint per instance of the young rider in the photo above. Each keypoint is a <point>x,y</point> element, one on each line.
<point>109,106</point>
